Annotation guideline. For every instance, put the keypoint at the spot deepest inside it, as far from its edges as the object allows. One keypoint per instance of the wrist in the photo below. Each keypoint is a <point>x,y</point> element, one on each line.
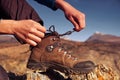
<point>6,26</point>
<point>62,4</point>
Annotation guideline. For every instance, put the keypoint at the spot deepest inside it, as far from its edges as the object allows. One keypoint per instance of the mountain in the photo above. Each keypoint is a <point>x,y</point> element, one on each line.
<point>100,37</point>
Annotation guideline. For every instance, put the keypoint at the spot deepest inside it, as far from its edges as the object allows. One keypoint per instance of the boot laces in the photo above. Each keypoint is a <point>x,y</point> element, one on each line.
<point>57,35</point>
<point>51,47</point>
<point>52,30</point>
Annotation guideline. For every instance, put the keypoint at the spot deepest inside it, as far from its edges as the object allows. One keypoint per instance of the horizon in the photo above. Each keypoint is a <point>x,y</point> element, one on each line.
<point>67,38</point>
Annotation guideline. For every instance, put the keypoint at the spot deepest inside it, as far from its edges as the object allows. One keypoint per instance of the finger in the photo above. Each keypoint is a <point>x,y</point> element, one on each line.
<point>40,27</point>
<point>27,40</point>
<point>20,38</point>
<point>33,37</point>
<point>81,21</point>
<point>37,33</point>
<point>79,24</point>
<point>31,42</point>
<point>74,23</point>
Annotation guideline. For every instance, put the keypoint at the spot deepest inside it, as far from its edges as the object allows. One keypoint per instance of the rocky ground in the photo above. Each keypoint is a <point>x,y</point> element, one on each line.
<point>106,55</point>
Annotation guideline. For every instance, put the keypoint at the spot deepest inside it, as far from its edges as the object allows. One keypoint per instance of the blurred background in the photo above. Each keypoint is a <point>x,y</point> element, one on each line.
<point>102,16</point>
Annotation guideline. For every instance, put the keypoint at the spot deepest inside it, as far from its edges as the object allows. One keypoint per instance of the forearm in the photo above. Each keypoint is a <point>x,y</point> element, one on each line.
<point>62,4</point>
<point>6,26</point>
<point>54,4</point>
<point>48,3</point>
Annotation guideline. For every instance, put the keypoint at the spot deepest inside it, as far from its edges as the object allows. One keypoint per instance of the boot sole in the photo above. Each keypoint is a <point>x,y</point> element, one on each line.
<point>43,66</point>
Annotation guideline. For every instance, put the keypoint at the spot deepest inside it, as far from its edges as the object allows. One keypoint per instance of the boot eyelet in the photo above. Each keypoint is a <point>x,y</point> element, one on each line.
<point>75,59</point>
<point>69,56</point>
<point>59,50</point>
<point>53,39</point>
<point>65,52</point>
<point>49,48</point>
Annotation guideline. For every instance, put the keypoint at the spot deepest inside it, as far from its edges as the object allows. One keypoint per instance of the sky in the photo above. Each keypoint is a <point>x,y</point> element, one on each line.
<point>101,16</point>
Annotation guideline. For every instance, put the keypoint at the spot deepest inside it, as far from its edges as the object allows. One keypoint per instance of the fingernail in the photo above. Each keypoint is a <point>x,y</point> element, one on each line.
<point>34,44</point>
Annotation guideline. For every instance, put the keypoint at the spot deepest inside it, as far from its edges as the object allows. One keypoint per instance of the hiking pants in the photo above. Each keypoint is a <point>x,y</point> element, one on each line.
<point>18,10</point>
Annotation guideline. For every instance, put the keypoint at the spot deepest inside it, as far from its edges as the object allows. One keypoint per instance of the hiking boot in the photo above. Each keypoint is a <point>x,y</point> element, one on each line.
<point>53,53</point>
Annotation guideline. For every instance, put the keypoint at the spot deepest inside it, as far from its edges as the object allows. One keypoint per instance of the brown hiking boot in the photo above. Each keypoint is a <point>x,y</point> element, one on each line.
<point>52,54</point>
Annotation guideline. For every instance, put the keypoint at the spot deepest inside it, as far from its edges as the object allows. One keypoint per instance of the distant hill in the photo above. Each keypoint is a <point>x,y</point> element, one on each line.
<point>7,39</point>
<point>100,37</point>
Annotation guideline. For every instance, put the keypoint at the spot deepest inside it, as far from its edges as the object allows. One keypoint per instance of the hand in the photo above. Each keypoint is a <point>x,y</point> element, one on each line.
<point>29,31</point>
<point>76,17</point>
